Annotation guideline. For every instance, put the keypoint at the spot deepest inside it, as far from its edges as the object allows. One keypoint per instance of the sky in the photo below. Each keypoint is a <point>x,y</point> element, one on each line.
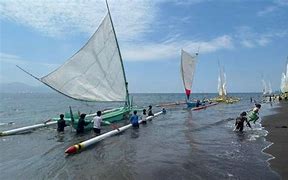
<point>248,37</point>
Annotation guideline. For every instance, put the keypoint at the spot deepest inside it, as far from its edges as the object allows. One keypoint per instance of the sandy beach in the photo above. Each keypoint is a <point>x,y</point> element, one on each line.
<point>277,125</point>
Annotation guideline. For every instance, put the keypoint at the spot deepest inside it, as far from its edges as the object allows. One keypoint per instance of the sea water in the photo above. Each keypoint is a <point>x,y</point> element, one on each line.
<point>182,144</point>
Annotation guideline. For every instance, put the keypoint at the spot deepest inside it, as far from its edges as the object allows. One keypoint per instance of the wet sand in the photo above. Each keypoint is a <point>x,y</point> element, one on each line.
<point>277,125</point>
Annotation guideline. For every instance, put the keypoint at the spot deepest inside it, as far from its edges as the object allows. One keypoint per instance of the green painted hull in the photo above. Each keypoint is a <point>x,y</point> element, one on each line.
<point>110,117</point>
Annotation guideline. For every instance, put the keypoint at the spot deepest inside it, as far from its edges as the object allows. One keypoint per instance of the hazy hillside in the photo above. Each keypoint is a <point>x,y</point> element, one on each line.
<point>22,88</point>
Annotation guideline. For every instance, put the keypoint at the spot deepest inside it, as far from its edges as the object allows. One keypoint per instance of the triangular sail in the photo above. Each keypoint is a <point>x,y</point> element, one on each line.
<point>222,82</point>
<point>188,64</point>
<point>265,89</point>
<point>269,88</point>
<point>284,79</point>
<point>95,72</point>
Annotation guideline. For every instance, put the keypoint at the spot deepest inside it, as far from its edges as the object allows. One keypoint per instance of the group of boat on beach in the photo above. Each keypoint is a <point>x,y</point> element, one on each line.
<point>96,74</point>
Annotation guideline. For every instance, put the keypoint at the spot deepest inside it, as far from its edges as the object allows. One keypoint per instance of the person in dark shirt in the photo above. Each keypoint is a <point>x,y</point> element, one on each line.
<point>164,111</point>
<point>150,113</point>
<point>81,124</point>
<point>198,103</point>
<point>240,122</point>
<point>61,123</point>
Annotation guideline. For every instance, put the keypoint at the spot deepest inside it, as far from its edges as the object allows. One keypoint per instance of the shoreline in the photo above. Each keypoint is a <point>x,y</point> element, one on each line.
<point>276,125</point>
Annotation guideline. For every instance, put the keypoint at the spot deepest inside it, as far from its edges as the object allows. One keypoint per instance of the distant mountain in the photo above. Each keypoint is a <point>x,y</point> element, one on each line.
<point>22,88</point>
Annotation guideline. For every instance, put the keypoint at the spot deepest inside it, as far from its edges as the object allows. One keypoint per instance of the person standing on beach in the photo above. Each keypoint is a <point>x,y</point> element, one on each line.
<point>97,123</point>
<point>239,124</point>
<point>134,120</point>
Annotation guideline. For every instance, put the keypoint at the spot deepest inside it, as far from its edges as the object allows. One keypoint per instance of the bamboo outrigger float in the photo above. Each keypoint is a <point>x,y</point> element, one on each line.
<point>26,128</point>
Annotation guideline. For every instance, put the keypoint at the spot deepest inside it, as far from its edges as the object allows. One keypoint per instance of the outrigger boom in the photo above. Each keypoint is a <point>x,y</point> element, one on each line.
<point>23,129</point>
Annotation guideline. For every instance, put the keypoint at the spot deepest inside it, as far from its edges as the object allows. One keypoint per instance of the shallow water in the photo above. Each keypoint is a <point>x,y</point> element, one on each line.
<point>178,145</point>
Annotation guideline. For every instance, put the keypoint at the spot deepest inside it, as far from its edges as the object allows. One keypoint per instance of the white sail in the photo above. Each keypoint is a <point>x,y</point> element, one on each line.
<point>188,64</point>
<point>269,88</point>
<point>222,82</point>
<point>283,83</point>
<point>95,72</point>
<point>284,80</point>
<point>265,89</point>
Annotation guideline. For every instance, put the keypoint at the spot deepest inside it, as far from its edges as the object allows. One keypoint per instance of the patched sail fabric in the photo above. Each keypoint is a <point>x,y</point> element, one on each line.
<point>222,82</point>
<point>95,72</point>
<point>188,64</point>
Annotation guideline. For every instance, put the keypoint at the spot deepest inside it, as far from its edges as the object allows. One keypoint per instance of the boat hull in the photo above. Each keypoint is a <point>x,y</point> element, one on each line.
<point>227,100</point>
<point>191,104</point>
<point>203,106</point>
<point>109,117</point>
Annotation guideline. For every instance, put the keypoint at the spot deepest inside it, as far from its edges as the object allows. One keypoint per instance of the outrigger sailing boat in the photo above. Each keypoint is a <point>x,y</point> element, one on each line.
<point>95,73</point>
<point>188,64</point>
<point>222,90</point>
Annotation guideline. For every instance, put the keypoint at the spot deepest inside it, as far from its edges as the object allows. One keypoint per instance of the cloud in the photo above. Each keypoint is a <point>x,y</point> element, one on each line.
<point>132,20</point>
<point>267,10</point>
<point>16,60</point>
<point>263,41</point>
<point>58,17</point>
<point>281,2</point>
<point>247,43</point>
<point>250,38</point>
<point>188,2</point>
<point>171,48</point>
<point>277,4</point>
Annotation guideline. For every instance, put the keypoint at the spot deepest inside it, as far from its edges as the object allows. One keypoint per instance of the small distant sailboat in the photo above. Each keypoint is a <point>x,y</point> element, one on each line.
<point>222,88</point>
<point>94,74</point>
<point>269,88</point>
<point>222,91</point>
<point>187,69</point>
<point>265,88</point>
<point>284,79</point>
<point>188,64</point>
